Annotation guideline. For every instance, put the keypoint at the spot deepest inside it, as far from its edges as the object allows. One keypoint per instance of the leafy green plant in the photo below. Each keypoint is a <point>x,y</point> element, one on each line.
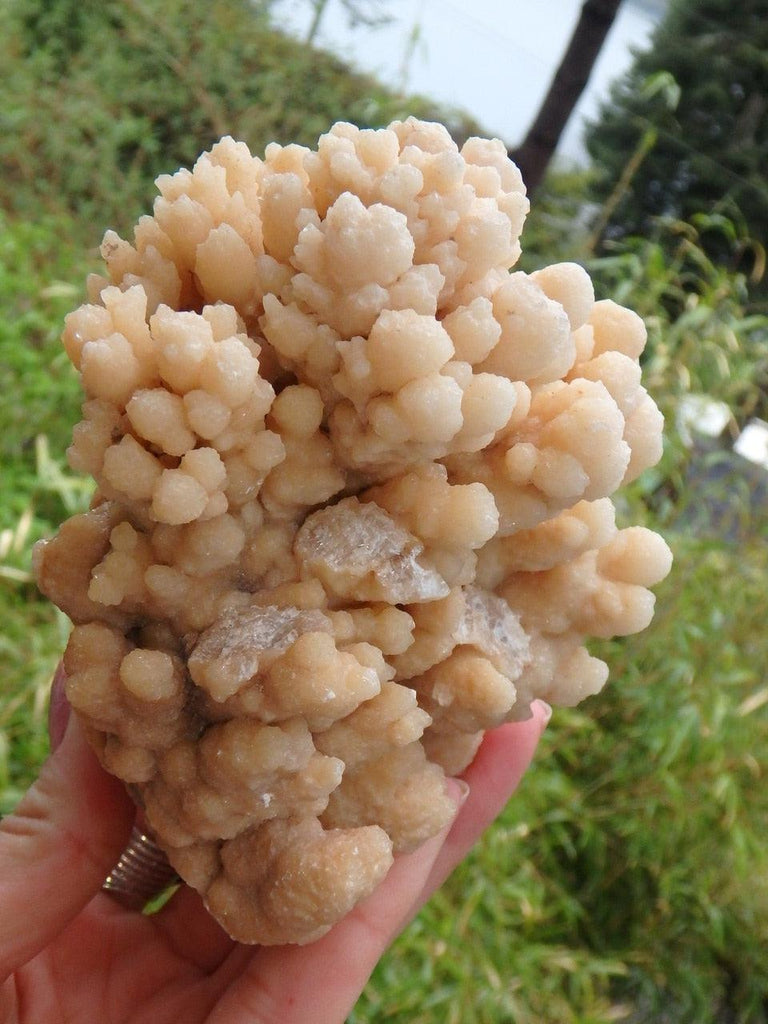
<point>703,341</point>
<point>37,274</point>
<point>693,106</point>
<point>41,397</point>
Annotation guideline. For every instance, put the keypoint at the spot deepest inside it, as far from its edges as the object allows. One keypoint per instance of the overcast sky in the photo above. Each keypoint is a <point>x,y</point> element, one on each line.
<point>493,58</point>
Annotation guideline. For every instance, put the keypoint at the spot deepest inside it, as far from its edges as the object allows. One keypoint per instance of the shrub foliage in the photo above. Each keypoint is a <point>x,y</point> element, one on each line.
<point>691,114</point>
<point>104,95</point>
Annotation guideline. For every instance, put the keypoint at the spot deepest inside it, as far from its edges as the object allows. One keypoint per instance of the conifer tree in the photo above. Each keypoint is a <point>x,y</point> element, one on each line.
<point>686,129</point>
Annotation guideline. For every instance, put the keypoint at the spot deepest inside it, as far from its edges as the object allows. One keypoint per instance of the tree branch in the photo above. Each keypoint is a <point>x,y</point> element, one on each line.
<point>571,77</point>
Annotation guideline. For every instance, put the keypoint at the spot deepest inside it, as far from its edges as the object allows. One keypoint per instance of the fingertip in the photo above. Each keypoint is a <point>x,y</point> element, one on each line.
<point>111,810</point>
<point>542,712</point>
<point>458,790</point>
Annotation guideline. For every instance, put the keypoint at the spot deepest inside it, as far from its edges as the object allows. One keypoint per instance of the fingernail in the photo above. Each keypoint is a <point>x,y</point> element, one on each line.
<point>459,790</point>
<point>58,709</point>
<point>546,710</point>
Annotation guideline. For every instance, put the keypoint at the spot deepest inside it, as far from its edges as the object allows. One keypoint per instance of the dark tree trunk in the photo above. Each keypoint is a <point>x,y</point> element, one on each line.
<point>535,152</point>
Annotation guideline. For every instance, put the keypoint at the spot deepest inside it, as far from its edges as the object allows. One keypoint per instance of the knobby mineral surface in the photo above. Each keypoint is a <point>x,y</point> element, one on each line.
<point>352,509</point>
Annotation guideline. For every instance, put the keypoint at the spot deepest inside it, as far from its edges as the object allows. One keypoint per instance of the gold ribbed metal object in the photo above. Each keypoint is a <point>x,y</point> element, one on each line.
<point>141,872</point>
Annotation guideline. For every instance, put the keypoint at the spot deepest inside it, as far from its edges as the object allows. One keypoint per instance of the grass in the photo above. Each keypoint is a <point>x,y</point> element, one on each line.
<point>40,279</point>
<point>629,878</point>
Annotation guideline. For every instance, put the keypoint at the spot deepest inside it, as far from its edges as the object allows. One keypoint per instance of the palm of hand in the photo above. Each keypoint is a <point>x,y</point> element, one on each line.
<point>115,965</point>
<point>85,958</point>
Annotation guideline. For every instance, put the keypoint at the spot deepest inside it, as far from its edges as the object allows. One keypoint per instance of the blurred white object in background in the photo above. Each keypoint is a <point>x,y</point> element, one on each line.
<point>752,443</point>
<point>700,414</point>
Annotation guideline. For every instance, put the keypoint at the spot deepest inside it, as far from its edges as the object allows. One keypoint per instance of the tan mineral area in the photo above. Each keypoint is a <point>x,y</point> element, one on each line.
<point>352,510</point>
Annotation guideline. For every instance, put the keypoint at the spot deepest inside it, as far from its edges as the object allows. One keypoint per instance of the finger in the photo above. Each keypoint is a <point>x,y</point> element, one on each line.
<point>58,847</point>
<point>493,776</point>
<point>193,934</point>
<point>320,983</point>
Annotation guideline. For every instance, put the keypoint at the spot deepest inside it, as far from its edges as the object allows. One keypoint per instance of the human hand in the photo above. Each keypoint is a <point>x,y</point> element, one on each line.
<point>70,952</point>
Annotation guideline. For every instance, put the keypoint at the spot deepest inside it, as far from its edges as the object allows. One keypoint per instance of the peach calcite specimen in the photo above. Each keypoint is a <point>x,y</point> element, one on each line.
<point>352,509</point>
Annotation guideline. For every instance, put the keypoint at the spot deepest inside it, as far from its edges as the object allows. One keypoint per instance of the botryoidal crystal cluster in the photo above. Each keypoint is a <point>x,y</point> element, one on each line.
<point>353,506</point>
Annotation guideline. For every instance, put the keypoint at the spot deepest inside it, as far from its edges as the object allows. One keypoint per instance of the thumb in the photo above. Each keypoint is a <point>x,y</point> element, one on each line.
<point>57,848</point>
